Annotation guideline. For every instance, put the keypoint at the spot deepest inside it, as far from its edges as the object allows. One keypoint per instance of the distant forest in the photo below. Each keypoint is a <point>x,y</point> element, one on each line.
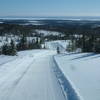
<point>84,34</point>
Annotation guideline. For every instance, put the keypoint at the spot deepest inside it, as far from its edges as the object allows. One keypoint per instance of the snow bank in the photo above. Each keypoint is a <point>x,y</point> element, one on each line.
<point>67,86</point>
<point>82,71</point>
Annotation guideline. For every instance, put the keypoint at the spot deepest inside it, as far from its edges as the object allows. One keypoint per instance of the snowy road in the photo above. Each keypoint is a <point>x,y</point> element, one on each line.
<point>30,77</point>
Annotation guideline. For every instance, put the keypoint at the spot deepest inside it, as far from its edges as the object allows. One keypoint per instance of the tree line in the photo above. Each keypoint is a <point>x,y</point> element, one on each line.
<point>86,38</point>
<point>23,44</point>
<point>83,34</point>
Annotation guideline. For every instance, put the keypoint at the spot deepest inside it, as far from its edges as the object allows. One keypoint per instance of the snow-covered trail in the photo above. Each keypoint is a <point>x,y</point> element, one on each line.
<point>30,78</point>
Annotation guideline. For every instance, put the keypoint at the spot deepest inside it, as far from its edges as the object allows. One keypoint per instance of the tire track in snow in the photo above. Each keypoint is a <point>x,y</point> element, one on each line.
<point>39,83</point>
<point>13,76</point>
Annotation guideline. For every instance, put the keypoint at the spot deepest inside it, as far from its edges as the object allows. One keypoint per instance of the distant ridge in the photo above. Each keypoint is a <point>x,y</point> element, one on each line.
<point>52,17</point>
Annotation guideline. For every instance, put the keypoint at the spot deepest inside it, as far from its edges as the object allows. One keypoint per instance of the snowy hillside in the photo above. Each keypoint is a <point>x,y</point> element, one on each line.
<point>82,71</point>
<point>44,75</point>
<point>62,44</point>
<point>7,39</point>
<point>29,76</point>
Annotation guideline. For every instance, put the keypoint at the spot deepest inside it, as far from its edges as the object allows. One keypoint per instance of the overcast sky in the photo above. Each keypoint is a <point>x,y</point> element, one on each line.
<point>49,7</point>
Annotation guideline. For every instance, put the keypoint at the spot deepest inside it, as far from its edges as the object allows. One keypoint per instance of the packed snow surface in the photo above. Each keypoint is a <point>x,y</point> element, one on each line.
<point>29,76</point>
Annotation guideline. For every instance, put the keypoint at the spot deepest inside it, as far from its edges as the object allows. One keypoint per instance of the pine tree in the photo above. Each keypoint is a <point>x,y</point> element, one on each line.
<point>4,49</point>
<point>22,44</point>
<point>9,49</point>
<point>13,48</point>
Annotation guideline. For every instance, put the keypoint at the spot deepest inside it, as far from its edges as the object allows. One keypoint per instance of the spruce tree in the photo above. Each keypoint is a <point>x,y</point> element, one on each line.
<point>4,49</point>
<point>9,49</point>
<point>13,48</point>
<point>22,44</point>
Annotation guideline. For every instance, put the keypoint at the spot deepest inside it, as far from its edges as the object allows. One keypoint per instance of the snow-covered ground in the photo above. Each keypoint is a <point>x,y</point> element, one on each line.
<point>62,44</point>
<point>78,73</point>
<point>43,75</point>
<point>45,32</point>
<point>82,71</point>
<point>29,76</point>
<point>6,59</point>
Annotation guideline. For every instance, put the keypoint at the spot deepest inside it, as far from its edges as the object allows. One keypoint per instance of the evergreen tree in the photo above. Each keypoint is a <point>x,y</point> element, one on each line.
<point>9,49</point>
<point>5,49</point>
<point>22,44</point>
<point>13,48</point>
